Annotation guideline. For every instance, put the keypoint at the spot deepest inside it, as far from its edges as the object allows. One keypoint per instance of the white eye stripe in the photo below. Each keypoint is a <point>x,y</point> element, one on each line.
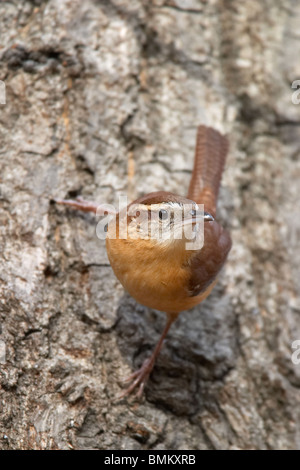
<point>169,209</point>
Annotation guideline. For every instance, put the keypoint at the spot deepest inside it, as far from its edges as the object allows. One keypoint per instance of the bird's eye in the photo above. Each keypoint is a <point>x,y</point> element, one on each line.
<point>193,212</point>
<point>163,214</point>
<point>208,217</point>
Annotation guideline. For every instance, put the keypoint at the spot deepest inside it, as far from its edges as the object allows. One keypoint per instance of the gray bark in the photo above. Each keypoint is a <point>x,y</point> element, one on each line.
<point>103,98</point>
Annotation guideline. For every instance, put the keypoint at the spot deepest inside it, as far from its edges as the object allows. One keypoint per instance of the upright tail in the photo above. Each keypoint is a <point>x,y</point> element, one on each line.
<point>210,155</point>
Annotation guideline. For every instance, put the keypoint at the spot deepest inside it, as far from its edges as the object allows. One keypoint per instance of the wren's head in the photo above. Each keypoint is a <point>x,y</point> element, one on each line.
<point>163,219</point>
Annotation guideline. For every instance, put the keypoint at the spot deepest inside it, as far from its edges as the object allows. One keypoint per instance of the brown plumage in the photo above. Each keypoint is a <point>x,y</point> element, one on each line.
<point>163,273</point>
<point>210,155</point>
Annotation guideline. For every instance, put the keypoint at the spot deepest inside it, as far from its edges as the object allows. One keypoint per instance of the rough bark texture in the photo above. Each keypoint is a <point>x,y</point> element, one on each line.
<point>103,98</point>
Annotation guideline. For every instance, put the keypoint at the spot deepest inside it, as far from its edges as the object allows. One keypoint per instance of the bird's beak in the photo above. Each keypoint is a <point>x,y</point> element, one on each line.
<point>196,218</point>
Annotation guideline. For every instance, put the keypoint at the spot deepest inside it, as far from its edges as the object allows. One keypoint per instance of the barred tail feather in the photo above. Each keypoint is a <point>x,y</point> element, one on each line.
<point>210,155</point>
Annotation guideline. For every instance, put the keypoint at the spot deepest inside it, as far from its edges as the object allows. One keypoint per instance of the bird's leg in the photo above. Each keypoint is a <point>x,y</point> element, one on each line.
<point>140,377</point>
<point>87,206</point>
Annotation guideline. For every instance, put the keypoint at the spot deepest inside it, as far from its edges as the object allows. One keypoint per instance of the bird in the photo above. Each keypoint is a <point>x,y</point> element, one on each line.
<point>166,251</point>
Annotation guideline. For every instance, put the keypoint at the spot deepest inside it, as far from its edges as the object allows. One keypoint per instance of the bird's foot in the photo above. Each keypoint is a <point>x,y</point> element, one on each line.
<point>138,379</point>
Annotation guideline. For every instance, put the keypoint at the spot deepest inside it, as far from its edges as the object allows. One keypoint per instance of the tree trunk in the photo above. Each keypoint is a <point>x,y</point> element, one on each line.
<point>103,98</point>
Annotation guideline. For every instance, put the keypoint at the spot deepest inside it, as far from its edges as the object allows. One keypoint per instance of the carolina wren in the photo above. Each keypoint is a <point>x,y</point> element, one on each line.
<point>163,272</point>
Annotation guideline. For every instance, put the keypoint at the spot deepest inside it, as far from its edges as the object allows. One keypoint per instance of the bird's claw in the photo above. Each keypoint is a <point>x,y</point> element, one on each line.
<point>139,379</point>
